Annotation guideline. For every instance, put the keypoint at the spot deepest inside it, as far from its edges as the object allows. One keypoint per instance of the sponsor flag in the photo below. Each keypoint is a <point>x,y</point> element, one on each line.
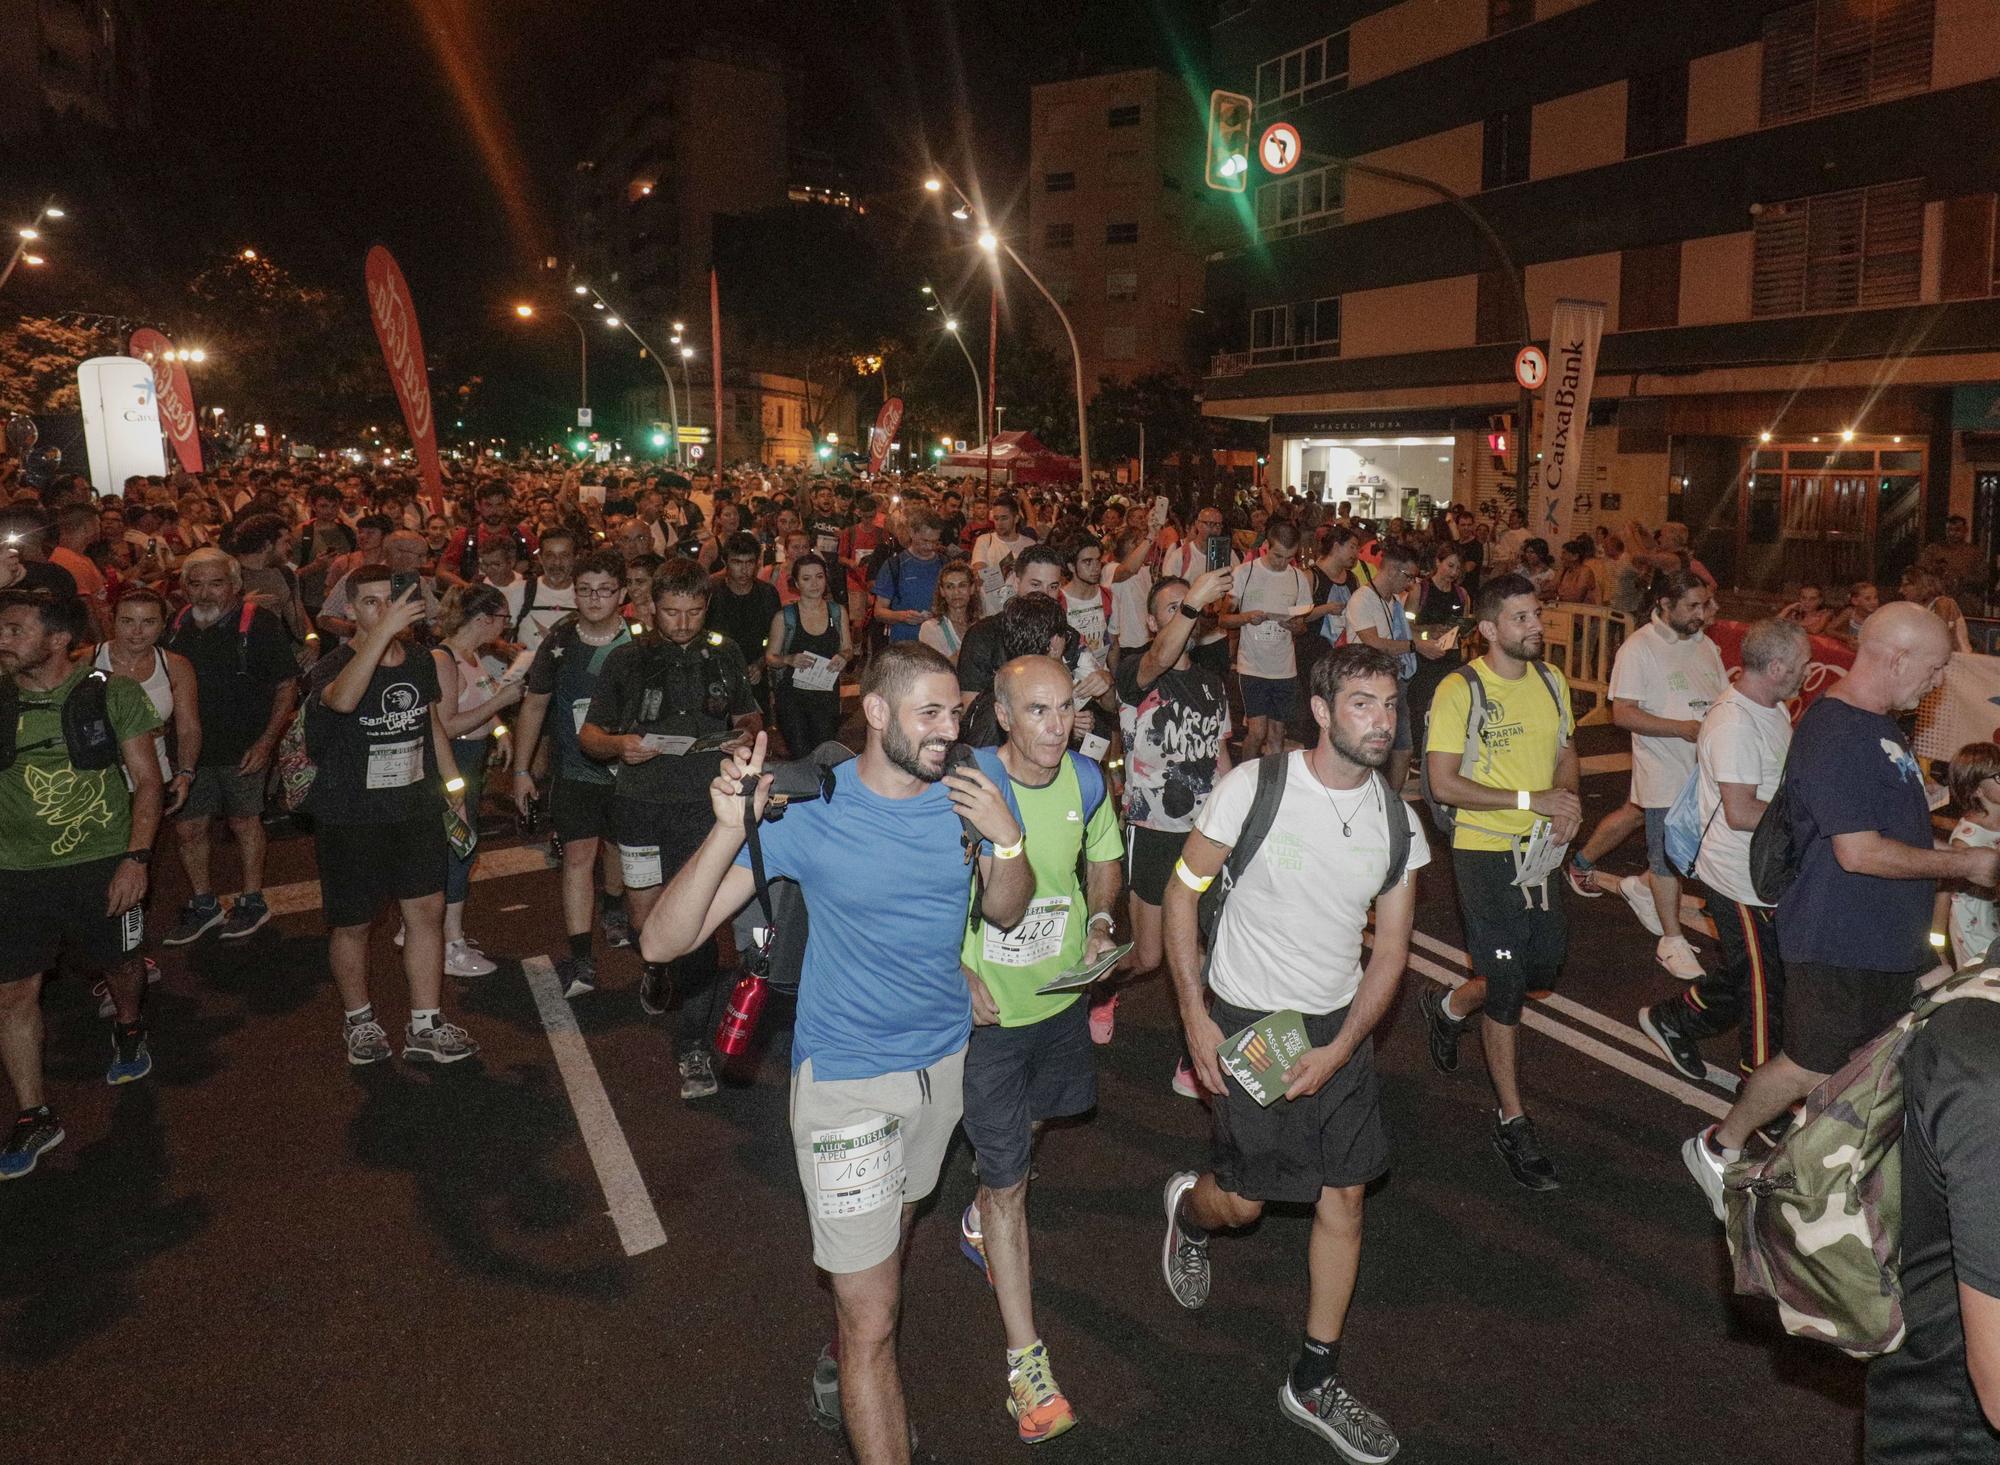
<point>176,397</point>
<point>395,317</point>
<point>1574,330</point>
<point>883,433</point>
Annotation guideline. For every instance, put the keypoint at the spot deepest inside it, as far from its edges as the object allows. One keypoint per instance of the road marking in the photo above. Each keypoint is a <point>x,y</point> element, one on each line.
<point>631,1208</point>
<point>303,895</point>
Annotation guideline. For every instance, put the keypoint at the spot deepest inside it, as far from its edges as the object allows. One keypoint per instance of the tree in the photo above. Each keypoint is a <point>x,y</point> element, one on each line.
<point>1161,400</point>
<point>39,356</point>
<point>1038,390</point>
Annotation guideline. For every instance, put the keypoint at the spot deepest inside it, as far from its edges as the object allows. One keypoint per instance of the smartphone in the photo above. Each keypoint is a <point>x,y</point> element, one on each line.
<point>400,583</point>
<point>1217,550</point>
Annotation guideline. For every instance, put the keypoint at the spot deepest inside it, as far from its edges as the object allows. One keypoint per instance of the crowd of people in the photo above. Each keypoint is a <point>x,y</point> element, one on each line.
<point>1108,742</point>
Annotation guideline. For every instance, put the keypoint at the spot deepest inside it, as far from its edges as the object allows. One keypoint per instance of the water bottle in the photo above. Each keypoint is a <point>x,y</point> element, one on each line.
<point>739,1022</point>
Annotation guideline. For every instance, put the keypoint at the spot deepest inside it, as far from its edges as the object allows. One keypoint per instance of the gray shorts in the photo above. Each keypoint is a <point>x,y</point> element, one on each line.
<point>220,792</point>
<point>865,1148</point>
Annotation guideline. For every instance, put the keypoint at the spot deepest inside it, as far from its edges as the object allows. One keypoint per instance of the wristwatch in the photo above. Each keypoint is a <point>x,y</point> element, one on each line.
<point>1192,612</point>
<point>139,856</point>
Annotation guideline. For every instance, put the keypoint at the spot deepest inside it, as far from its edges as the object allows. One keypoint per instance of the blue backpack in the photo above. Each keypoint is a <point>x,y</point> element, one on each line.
<point>1089,778</point>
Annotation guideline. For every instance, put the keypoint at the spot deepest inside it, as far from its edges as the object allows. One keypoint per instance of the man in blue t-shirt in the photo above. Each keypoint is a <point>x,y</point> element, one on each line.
<point>878,1051</point>
<point>906,585</point>
<point>1853,927</point>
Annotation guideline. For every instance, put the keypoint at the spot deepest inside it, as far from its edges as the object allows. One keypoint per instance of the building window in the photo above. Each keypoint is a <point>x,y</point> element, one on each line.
<point>1308,330</point>
<point>1058,236</point>
<point>1127,116</point>
<point>1121,285</point>
<point>1968,269</point>
<point>1121,343</point>
<point>1316,70</point>
<point>1504,155</point>
<point>1058,182</point>
<point>1507,15</point>
<point>1496,315</point>
<point>1649,288</point>
<point>1121,233</point>
<point>1839,251</point>
<point>1302,204</point>
<point>1656,111</point>
<point>1827,55</point>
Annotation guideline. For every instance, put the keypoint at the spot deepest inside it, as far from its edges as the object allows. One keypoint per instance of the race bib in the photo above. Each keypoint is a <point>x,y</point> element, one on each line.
<point>640,864</point>
<point>396,765</point>
<point>1038,937</point>
<point>857,1168</point>
<point>579,711</point>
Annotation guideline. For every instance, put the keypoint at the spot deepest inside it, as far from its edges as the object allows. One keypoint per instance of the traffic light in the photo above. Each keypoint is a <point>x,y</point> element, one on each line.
<point>659,439</point>
<point>1228,141</point>
<point>1499,435</point>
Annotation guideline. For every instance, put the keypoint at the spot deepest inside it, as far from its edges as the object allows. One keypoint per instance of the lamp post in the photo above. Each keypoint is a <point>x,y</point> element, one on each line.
<point>994,245</point>
<point>527,312</point>
<point>951,328</point>
<point>624,323</point>
<point>28,235</point>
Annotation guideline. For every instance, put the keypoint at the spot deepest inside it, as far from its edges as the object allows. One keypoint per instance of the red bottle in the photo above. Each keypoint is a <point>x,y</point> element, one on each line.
<point>739,1022</point>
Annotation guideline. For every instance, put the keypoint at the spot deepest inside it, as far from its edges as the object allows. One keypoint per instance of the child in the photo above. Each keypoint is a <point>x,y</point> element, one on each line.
<point>1975,791</point>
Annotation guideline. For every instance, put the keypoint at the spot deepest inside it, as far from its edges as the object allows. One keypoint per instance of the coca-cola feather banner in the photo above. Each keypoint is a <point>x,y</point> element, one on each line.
<point>395,317</point>
<point>176,397</point>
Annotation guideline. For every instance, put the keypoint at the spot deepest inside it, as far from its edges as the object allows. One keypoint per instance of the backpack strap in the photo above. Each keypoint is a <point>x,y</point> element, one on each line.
<point>1565,726</point>
<point>1090,779</point>
<point>527,602</point>
<point>1263,813</point>
<point>792,627</point>
<point>1399,835</point>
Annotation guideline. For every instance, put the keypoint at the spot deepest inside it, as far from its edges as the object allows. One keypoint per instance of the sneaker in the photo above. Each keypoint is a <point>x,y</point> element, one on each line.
<point>107,1005</point>
<point>823,1400</point>
<point>1657,1023</point>
<point>1678,958</point>
<point>1443,1030</point>
<point>1514,1141</point>
<point>366,1042</point>
<point>197,920</point>
<point>463,959</point>
<point>617,928</point>
<point>1342,1420</point>
<point>576,975</point>
<point>441,1042</point>
<point>656,989</point>
<point>247,913</point>
<point>34,1132</point>
<point>402,934</point>
<point>973,1244</point>
<point>1582,881</point>
<point>1183,1260</point>
<point>1638,893</point>
<point>1103,1014</point>
<point>131,1060</point>
<point>1035,1401</point>
<point>1185,1083</point>
<point>1706,1165</point>
<point>698,1075</point>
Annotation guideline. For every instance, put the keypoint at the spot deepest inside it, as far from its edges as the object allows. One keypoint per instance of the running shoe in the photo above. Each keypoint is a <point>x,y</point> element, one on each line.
<point>1706,1164</point>
<point>1343,1421</point>
<point>1678,958</point>
<point>1638,893</point>
<point>617,928</point>
<point>441,1042</point>
<point>1657,1023</point>
<point>247,913</point>
<point>35,1131</point>
<point>656,989</point>
<point>973,1244</point>
<point>1582,881</point>
<point>1034,1399</point>
<point>1183,1260</point>
<point>1515,1142</point>
<point>463,958</point>
<point>1442,1030</point>
<point>698,1074</point>
<point>576,975</point>
<point>198,918</point>
<point>131,1060</point>
<point>1185,1083</point>
<point>366,1042</point>
<point>823,1401</point>
<point>1103,1014</point>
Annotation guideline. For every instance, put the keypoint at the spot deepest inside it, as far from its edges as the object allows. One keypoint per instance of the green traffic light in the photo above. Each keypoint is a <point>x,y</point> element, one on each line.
<point>825,451</point>
<point>659,439</point>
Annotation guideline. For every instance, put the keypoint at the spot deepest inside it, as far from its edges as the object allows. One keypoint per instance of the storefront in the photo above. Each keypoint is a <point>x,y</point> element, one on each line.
<point>1382,477</point>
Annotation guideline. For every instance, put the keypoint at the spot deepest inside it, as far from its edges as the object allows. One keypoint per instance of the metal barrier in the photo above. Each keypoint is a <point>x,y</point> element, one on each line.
<point>1984,634</point>
<point>1583,640</point>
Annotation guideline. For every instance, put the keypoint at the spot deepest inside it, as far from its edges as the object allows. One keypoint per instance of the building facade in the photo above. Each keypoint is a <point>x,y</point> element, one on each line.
<point>77,60</point>
<point>1119,225</point>
<point>1786,209</point>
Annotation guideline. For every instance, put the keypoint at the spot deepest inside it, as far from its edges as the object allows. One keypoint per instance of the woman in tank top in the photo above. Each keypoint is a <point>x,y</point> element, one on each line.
<point>137,622</point>
<point>811,626</point>
<point>951,611</point>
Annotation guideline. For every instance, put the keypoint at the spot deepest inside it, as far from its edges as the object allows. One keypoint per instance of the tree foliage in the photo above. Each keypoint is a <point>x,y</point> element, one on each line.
<point>39,356</point>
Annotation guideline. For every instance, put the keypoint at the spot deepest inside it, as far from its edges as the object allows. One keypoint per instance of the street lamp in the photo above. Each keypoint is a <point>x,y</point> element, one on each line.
<point>527,312</point>
<point>27,235</point>
<point>951,329</point>
<point>624,323</point>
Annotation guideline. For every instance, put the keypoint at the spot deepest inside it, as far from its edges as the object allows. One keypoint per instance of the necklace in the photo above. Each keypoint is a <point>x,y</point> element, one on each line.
<point>1348,817</point>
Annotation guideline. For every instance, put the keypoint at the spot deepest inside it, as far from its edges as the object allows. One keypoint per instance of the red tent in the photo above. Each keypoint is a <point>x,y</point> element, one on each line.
<point>1018,458</point>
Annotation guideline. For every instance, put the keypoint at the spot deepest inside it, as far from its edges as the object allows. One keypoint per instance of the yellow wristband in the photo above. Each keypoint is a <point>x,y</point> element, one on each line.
<point>1187,877</point>
<point>1009,851</point>
<point>1937,940</point>
<point>1523,799</point>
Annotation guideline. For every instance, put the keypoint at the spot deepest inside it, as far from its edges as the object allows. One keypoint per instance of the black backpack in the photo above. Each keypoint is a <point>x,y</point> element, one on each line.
<point>1774,855</point>
<point>88,737</point>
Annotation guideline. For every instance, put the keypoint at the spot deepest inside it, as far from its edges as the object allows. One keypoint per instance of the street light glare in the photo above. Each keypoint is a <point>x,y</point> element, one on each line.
<point>611,320</point>
<point>30,234</point>
<point>951,325</point>
<point>932,185</point>
<point>53,212</point>
<point>961,212</point>
<point>679,327</point>
<point>198,356</point>
<point>988,240</point>
<point>32,259</point>
<point>597,305</point>
<point>583,289</point>
<point>249,254</point>
<point>687,353</point>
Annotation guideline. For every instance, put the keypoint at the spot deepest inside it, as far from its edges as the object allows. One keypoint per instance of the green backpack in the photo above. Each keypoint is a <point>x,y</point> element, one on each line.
<point>1816,1224</point>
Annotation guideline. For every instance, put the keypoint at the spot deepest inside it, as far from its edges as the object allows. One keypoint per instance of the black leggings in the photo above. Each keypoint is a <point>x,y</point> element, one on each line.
<point>807,719</point>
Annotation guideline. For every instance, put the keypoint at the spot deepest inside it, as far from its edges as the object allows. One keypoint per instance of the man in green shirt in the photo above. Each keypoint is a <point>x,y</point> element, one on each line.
<point>1030,1057</point>
<point>74,845</point>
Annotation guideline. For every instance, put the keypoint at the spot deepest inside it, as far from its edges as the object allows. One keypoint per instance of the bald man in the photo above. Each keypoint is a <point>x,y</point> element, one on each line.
<point>1854,927</point>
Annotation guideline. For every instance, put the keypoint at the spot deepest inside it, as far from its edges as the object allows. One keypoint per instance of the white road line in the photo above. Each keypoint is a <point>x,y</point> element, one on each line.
<point>631,1208</point>
<point>303,895</point>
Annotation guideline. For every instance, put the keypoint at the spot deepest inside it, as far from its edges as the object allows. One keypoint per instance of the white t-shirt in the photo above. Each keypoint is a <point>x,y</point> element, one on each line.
<point>1187,561</point>
<point>1659,673</point>
<point>1290,936</point>
<point>1265,649</point>
<point>991,549</point>
<point>1368,611</point>
<point>1087,618</point>
<point>1741,742</point>
<point>1128,609</point>
<point>551,605</point>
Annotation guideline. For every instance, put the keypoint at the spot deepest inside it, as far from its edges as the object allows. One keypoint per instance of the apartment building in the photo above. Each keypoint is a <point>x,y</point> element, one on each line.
<point>1787,210</point>
<point>73,60</point>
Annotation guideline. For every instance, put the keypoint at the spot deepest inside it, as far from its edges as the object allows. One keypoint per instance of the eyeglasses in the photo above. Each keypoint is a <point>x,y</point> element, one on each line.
<point>587,593</point>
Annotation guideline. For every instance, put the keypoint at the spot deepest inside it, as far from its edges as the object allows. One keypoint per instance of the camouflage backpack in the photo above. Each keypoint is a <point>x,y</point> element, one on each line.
<point>1816,1225</point>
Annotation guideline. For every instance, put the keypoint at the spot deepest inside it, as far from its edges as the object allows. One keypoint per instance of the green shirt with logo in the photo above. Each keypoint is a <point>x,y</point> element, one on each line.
<point>51,813</point>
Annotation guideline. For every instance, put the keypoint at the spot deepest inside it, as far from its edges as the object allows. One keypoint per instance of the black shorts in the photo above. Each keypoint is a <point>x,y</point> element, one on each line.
<point>655,840</point>
<point>1832,1010</point>
<point>1015,1076</point>
<point>580,810</point>
<point>1518,948</point>
<point>1149,861</point>
<point>1299,1147</point>
<point>60,912</point>
<point>1275,698</point>
<point>362,867</point>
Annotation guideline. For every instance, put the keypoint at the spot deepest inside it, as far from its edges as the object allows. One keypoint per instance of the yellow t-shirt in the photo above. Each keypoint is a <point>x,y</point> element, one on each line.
<point>1525,730</point>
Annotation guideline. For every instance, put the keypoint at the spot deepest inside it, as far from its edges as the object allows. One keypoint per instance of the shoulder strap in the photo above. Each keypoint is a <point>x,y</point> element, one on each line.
<point>990,765</point>
<point>1399,835</point>
<point>1564,728</point>
<point>1271,773</point>
<point>1090,779</point>
<point>792,626</point>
